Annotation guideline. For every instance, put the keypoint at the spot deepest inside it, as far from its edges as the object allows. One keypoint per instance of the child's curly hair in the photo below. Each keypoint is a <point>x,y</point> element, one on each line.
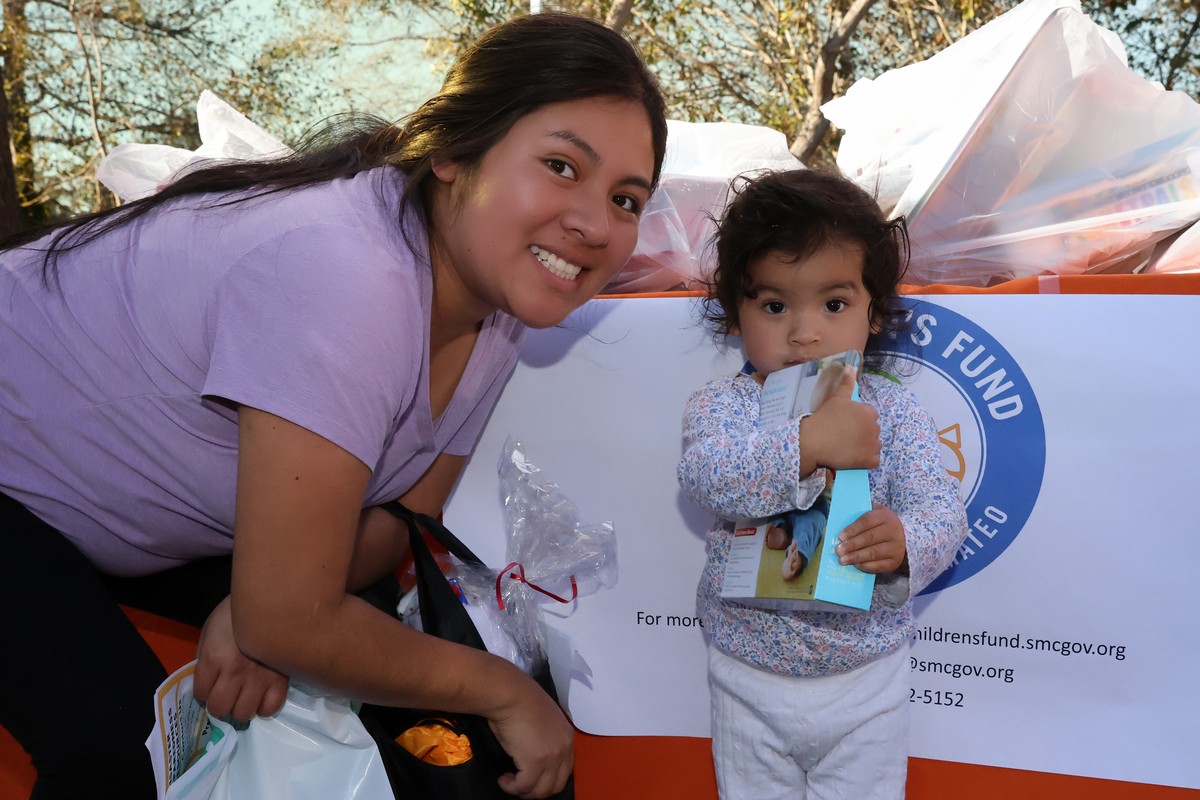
<point>796,213</point>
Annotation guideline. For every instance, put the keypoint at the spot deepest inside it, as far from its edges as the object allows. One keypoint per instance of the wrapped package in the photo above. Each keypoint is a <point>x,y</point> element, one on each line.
<point>552,557</point>
<point>1028,147</point>
<point>1179,253</point>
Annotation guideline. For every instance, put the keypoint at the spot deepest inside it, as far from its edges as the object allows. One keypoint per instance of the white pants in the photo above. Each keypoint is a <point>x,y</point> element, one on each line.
<point>836,736</point>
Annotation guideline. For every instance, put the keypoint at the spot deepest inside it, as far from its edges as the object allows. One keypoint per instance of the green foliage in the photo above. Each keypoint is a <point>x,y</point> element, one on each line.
<point>97,74</point>
<point>755,61</point>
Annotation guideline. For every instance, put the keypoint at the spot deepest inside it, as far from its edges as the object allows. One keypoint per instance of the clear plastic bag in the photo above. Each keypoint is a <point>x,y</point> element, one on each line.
<point>1028,147</point>
<point>552,557</point>
<point>134,170</point>
<point>674,242</point>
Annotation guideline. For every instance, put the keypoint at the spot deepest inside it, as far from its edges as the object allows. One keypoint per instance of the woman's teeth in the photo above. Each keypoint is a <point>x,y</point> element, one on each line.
<point>563,269</point>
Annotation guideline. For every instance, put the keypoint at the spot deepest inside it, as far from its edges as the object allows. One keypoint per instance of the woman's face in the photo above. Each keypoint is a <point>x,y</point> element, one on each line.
<point>548,217</point>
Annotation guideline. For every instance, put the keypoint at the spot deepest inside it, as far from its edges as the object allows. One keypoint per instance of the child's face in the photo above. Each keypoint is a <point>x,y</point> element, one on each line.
<point>805,310</point>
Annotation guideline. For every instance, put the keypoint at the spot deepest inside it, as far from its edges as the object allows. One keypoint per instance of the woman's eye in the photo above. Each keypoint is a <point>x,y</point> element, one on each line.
<point>561,167</point>
<point>835,305</point>
<point>774,307</point>
<point>628,203</point>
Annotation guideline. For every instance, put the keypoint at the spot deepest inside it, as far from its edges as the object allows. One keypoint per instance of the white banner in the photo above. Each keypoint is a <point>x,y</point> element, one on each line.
<point>1063,641</point>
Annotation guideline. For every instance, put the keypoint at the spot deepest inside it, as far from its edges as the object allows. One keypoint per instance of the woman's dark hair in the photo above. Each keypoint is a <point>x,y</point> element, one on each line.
<point>511,70</point>
<point>796,213</point>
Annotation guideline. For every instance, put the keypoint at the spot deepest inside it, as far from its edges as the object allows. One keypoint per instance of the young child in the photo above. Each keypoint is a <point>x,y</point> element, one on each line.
<point>808,267</point>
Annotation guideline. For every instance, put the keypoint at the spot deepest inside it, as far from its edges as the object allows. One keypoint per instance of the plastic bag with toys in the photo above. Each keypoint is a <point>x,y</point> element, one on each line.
<point>315,748</point>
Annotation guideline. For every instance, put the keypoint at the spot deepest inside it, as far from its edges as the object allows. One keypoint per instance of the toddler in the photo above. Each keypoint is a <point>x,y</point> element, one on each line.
<point>808,267</point>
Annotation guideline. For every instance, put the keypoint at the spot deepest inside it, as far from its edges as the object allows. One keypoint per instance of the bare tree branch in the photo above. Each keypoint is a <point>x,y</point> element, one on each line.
<point>815,126</point>
<point>619,15</point>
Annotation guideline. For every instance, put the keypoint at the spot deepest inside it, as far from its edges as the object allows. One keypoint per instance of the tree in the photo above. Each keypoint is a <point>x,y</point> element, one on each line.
<point>81,76</point>
<point>775,62</point>
<point>1162,39</point>
<point>765,62</point>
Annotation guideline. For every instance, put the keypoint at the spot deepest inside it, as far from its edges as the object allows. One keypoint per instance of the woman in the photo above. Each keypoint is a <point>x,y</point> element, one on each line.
<point>255,357</point>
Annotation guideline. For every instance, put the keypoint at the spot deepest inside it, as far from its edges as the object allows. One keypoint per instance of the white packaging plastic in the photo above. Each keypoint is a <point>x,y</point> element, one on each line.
<point>1028,147</point>
<point>134,170</point>
<point>315,748</point>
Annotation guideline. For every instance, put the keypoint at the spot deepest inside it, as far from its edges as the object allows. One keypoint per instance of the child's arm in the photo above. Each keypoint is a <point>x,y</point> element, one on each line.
<point>731,468</point>
<point>841,433</point>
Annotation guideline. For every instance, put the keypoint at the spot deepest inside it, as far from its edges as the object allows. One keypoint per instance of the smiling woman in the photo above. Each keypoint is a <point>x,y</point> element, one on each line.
<point>550,214</point>
<point>256,357</point>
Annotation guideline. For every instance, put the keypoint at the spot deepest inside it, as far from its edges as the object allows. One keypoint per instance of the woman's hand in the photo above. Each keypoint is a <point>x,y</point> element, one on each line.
<point>874,542</point>
<point>534,731</point>
<point>228,682</point>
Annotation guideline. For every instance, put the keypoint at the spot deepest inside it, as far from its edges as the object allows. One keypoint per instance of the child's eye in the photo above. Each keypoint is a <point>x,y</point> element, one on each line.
<point>561,167</point>
<point>774,307</point>
<point>835,306</point>
<point>630,204</point>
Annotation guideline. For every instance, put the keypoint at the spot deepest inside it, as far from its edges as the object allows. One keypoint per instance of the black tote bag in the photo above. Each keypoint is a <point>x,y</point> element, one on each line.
<point>443,616</point>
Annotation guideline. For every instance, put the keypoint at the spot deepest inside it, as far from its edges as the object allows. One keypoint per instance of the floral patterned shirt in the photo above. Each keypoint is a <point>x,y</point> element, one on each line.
<point>737,472</point>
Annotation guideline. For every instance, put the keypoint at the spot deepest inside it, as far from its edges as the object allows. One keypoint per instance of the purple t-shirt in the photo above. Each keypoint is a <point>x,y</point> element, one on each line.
<point>120,381</point>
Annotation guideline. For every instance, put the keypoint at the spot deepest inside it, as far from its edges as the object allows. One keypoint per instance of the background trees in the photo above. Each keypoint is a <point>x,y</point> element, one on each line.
<point>81,76</point>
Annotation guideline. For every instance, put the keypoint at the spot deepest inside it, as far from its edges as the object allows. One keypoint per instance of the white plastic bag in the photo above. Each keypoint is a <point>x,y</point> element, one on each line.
<point>1027,147</point>
<point>315,748</point>
<point>136,170</point>
<point>677,226</point>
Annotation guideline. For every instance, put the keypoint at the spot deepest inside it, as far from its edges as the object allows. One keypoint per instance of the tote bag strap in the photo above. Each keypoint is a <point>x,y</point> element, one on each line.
<point>442,613</point>
<point>437,530</point>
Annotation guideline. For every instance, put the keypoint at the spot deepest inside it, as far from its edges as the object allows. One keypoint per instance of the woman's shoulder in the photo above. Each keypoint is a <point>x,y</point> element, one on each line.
<point>364,205</point>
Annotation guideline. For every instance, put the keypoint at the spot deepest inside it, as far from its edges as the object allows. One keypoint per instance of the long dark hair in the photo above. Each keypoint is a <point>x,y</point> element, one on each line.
<point>796,213</point>
<point>511,70</point>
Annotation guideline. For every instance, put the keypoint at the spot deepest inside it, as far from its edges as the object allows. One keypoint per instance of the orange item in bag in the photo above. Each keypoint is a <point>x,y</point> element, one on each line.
<point>435,742</point>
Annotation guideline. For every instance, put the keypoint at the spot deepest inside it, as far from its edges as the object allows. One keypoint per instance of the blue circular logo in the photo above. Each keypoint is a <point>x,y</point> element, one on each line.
<point>990,426</point>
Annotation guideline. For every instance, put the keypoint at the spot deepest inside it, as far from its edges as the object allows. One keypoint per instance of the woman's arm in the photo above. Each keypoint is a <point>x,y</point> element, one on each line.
<point>382,540</point>
<point>297,523</point>
<point>230,683</point>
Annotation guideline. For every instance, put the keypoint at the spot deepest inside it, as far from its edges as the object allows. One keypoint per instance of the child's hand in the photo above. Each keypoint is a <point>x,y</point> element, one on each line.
<point>841,433</point>
<point>874,542</point>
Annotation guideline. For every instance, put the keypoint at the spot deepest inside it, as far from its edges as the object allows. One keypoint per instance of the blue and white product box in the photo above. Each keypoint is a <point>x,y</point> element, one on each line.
<point>784,562</point>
